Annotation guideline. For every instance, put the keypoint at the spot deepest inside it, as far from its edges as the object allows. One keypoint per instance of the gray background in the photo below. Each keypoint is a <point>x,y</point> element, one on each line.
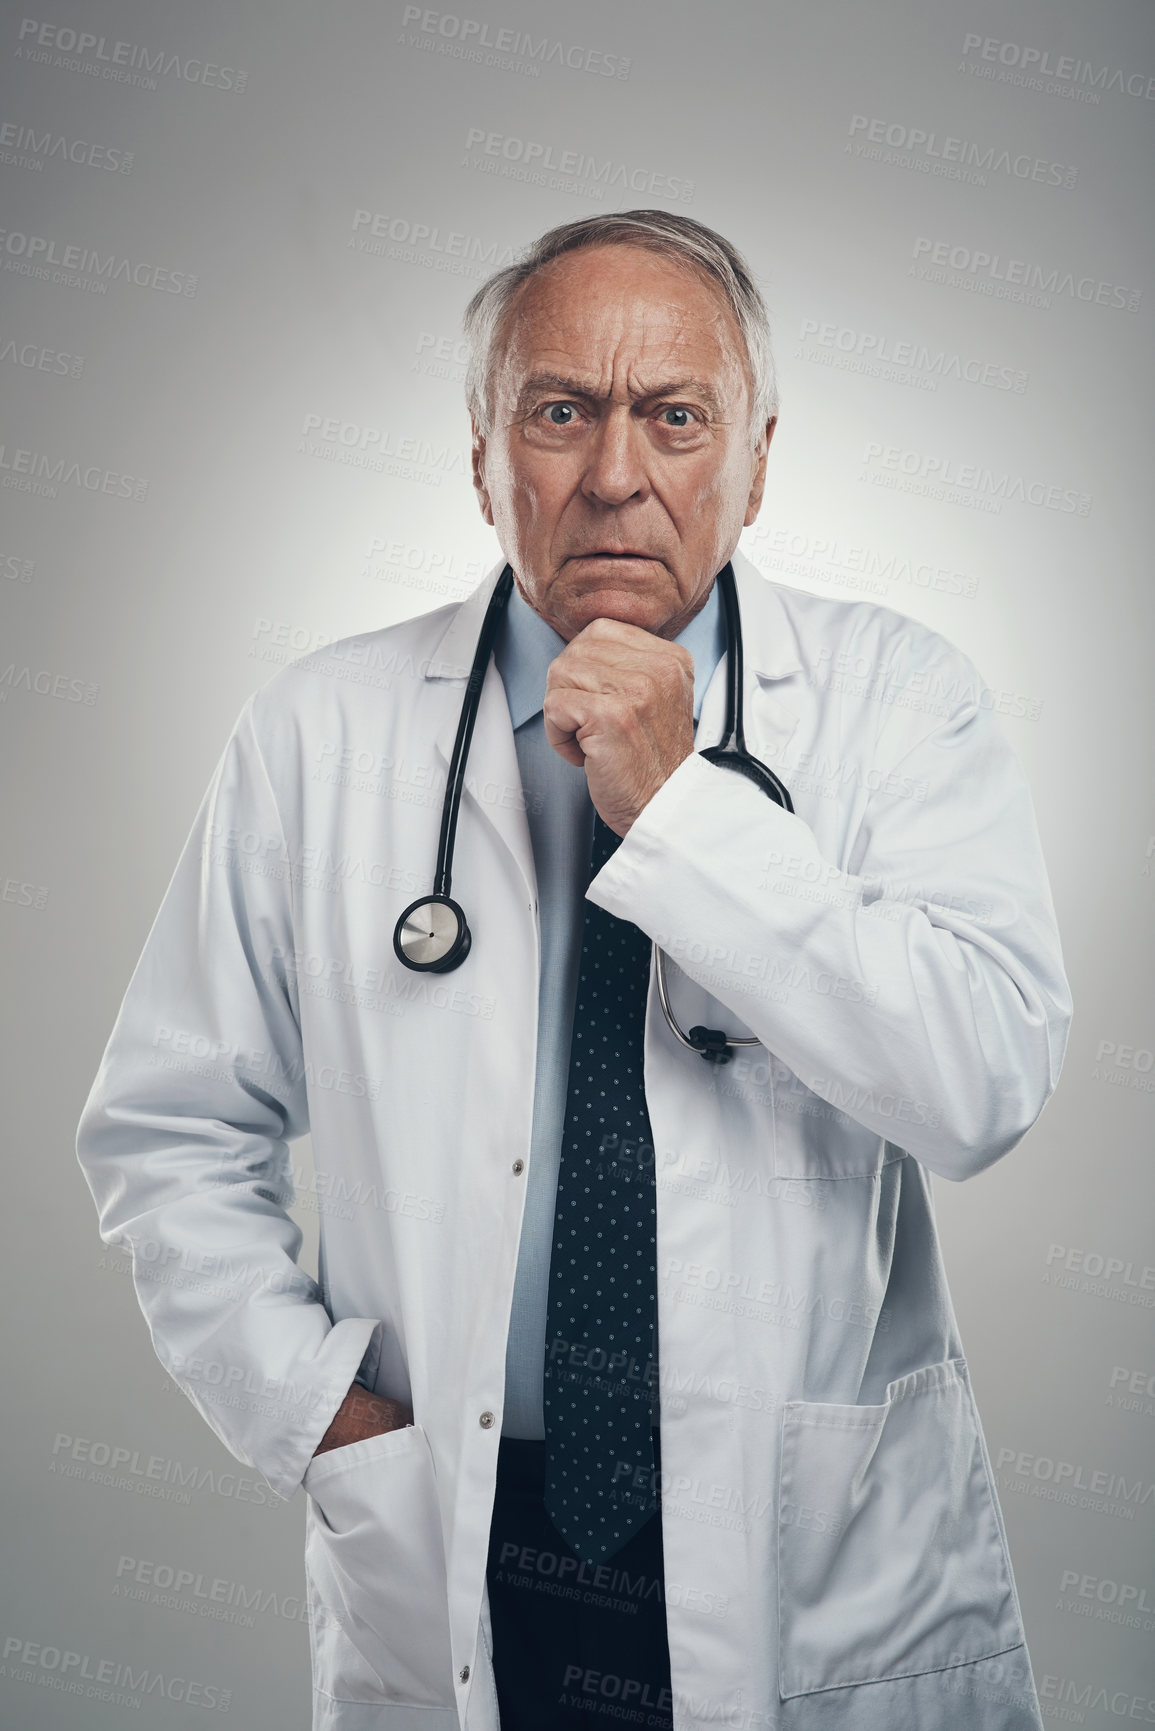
<point>134,628</point>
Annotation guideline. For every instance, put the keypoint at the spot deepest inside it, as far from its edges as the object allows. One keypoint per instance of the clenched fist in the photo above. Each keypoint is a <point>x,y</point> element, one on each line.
<point>620,703</point>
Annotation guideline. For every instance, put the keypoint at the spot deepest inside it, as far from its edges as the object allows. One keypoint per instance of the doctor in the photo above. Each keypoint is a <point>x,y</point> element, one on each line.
<point>801,1462</point>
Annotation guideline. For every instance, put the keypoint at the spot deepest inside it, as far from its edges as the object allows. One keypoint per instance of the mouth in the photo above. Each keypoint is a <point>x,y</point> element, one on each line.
<point>615,553</point>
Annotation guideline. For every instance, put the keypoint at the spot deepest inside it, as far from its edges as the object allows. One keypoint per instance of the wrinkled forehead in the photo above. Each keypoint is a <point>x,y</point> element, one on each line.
<point>599,309</point>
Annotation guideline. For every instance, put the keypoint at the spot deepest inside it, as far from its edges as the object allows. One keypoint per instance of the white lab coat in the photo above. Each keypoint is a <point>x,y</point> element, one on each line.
<point>835,1556</point>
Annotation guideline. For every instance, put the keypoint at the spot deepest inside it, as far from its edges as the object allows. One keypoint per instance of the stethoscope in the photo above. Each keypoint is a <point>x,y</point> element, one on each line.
<point>432,935</point>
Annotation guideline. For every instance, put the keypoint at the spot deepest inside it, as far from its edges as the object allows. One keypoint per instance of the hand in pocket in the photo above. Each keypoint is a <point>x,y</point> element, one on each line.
<point>363,1414</point>
<point>375,1559</point>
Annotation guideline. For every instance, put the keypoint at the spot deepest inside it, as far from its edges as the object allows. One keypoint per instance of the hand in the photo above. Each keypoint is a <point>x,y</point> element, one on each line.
<point>363,1414</point>
<point>620,703</point>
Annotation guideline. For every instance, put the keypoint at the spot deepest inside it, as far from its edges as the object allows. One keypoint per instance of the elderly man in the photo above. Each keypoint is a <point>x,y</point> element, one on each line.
<point>630,1389</point>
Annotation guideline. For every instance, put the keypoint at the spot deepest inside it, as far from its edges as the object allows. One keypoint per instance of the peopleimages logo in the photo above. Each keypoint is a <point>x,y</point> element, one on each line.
<point>38,357</point>
<point>24,147</point>
<point>379,450</point>
<point>1107,1601</point>
<point>1073,1483</point>
<point>112,1680</point>
<point>187,1589</point>
<point>37,255</point>
<point>948,157</point>
<point>986,56</point>
<point>440,357</point>
<point>397,237</point>
<point>901,359</point>
<point>529,159</point>
<point>952,479</point>
<point>475,39</point>
<point>990,273</point>
<point>854,566</point>
<point>45,683</point>
<point>124,62</point>
<point>1099,1697</point>
<point>34,472</point>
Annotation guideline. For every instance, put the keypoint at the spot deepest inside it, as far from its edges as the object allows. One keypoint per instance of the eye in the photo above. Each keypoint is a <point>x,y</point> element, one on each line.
<point>676,417</point>
<point>560,414</point>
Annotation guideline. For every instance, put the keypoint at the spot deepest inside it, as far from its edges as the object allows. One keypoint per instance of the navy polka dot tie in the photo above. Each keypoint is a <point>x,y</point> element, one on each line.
<point>600,1358</point>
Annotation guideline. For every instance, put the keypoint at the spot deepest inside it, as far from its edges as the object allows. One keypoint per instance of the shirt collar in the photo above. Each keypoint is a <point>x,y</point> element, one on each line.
<point>526,645</point>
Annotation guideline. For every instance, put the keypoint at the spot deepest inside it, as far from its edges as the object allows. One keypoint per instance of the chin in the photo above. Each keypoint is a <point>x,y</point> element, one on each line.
<point>627,609</point>
<point>611,598</point>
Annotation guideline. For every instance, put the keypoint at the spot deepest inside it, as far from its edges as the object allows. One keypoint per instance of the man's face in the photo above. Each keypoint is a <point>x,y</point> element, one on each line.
<point>619,470</point>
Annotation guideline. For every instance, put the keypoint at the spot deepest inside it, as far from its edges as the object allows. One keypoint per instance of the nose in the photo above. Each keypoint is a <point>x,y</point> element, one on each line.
<point>615,470</point>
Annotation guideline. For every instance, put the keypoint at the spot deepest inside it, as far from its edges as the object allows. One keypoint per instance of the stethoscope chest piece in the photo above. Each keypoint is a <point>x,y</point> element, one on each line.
<point>432,935</point>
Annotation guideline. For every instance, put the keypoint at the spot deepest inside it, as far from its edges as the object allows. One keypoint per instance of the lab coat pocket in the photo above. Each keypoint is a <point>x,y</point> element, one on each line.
<point>375,1561</point>
<point>891,1560</point>
<point>815,1138</point>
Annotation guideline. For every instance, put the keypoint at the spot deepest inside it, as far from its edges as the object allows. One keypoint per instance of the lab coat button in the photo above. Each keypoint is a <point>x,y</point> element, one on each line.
<point>464,1673</point>
<point>518,1168</point>
<point>486,1420</point>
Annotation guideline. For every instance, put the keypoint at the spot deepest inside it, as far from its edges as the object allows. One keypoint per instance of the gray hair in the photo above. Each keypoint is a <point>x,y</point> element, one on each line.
<point>665,232</point>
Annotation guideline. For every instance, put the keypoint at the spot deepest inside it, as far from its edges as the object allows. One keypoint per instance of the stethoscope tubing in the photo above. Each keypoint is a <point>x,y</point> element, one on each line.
<point>465,725</point>
<point>672,1020</point>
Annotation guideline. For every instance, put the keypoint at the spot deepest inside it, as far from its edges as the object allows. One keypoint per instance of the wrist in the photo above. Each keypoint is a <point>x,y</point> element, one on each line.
<point>363,1414</point>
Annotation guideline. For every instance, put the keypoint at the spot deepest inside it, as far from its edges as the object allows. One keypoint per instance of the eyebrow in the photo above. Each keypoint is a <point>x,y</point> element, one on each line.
<point>538,382</point>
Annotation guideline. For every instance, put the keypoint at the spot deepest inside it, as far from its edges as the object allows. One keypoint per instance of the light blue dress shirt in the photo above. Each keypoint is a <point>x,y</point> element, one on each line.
<point>560,815</point>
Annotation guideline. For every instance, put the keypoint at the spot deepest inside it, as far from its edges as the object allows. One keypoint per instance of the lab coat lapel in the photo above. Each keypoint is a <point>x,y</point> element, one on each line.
<point>492,776</point>
<point>771,665</point>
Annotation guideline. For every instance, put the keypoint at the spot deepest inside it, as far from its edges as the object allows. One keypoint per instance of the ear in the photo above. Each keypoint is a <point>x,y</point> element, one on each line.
<point>479,486</point>
<point>758,479</point>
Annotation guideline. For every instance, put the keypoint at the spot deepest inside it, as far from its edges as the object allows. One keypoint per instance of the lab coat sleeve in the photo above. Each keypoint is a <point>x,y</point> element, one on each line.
<point>184,1138</point>
<point>922,991</point>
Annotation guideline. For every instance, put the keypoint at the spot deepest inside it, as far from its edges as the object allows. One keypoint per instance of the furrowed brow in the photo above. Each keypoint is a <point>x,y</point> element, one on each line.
<point>683,388</point>
<point>539,383</point>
